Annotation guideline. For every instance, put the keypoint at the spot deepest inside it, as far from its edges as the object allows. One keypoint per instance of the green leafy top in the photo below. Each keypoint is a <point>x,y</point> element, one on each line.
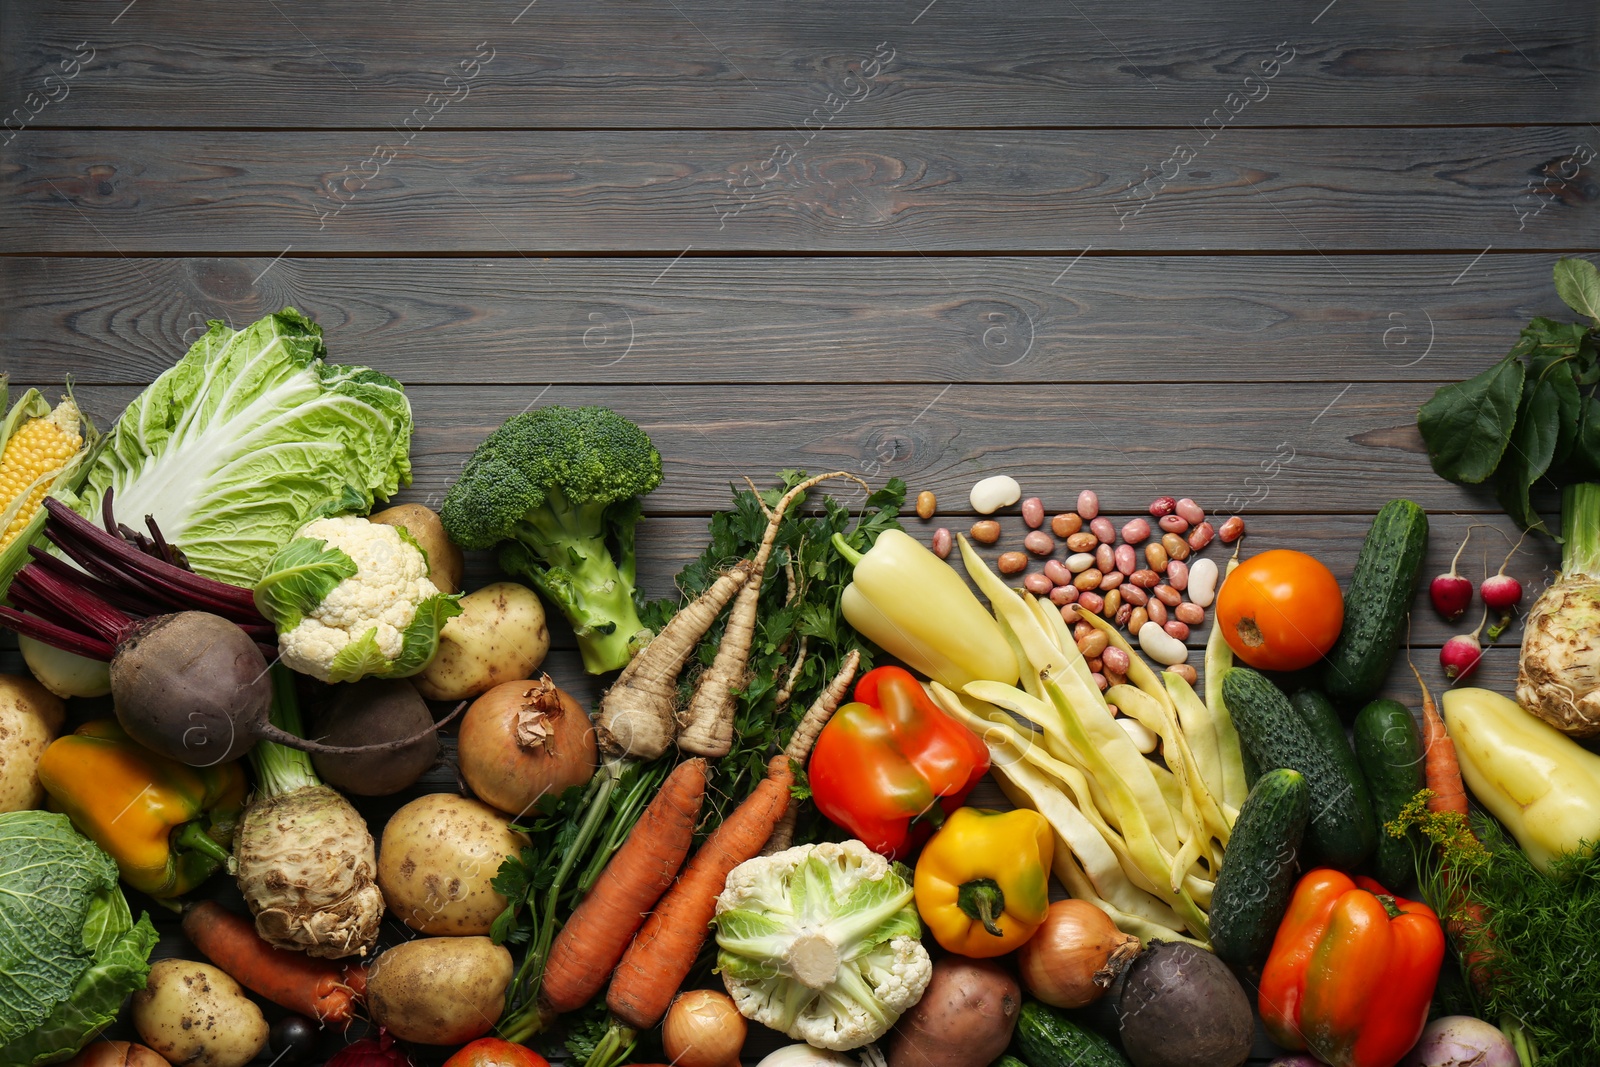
<point>69,948</point>
<point>1532,417</point>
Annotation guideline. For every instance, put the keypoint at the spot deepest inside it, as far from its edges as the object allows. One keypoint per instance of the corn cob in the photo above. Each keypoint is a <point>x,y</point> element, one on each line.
<point>39,448</point>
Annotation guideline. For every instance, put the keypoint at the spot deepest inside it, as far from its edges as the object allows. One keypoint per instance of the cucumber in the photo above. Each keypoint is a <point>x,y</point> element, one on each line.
<point>1259,868</point>
<point>1376,604</point>
<point>1389,750</point>
<point>1318,713</point>
<point>1045,1037</point>
<point>1341,830</point>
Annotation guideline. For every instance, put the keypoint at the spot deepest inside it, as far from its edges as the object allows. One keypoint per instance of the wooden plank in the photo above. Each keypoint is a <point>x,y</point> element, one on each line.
<point>1280,449</point>
<point>721,63</point>
<point>897,319</point>
<point>904,193</point>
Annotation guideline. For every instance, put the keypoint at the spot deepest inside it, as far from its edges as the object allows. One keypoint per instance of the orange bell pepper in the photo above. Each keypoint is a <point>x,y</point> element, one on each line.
<point>1352,971</point>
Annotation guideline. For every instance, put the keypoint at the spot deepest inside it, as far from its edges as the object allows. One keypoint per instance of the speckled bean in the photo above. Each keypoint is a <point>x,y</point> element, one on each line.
<point>1110,579</point>
<point>1092,602</point>
<point>1178,575</point>
<point>985,531</point>
<point>1184,671</point>
<point>1100,681</point>
<point>1126,560</point>
<point>1137,618</point>
<point>1037,584</point>
<point>927,504</point>
<point>1092,643</point>
<point>1082,541</point>
<point>1232,530</point>
<point>1145,579</point>
<point>991,494</point>
<point>1135,531</point>
<point>1102,528</point>
<point>1069,612</point>
<point>1167,595</point>
<point>1113,678</point>
<point>1203,582</point>
<point>1081,629</point>
<point>1133,594</point>
<point>1155,554</point>
<point>1039,543</point>
<point>1160,645</point>
<point>1088,503</point>
<point>1094,663</point>
<point>1116,659</point>
<point>1087,580</point>
<point>1066,524</point>
<point>1104,558</point>
<point>1157,611</point>
<point>1057,572</point>
<point>1201,536</point>
<point>1124,613</point>
<point>1190,511</point>
<point>941,542</point>
<point>1173,523</point>
<point>1079,562</point>
<point>1162,506</point>
<point>1177,547</point>
<point>1011,563</point>
<point>1177,629</point>
<point>1193,614</point>
<point>1033,512</point>
<point>1062,595</point>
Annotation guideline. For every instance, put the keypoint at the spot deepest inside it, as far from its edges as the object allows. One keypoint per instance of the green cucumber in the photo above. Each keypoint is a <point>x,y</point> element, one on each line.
<point>1259,868</point>
<point>1046,1037</point>
<point>1376,604</point>
<point>1317,712</point>
<point>1389,750</point>
<point>1341,831</point>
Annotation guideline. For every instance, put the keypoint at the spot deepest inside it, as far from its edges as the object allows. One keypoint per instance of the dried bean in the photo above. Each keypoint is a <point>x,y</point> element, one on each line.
<point>993,493</point>
<point>1113,678</point>
<point>1191,512</point>
<point>1203,582</point>
<point>1011,563</point>
<point>1104,558</point>
<point>1160,645</point>
<point>1033,512</point>
<point>1143,738</point>
<point>1133,594</point>
<point>1125,559</point>
<point>1088,504</point>
<point>985,531</point>
<point>1066,524</point>
<point>1092,643</point>
<point>1168,595</point>
<point>1062,595</point>
<point>1201,536</point>
<point>1162,506</point>
<point>941,542</point>
<point>1037,584</point>
<point>1092,602</point>
<point>1093,664</point>
<point>1039,543</point>
<point>1135,530</point>
<point>1177,547</point>
<point>1232,530</point>
<point>1137,618</point>
<point>1157,611</point>
<point>1193,614</point>
<point>1113,599</point>
<point>1079,562</point>
<point>1174,524</point>
<point>1082,541</point>
<point>1102,528</point>
<point>1177,629</point>
<point>1124,613</point>
<point>1145,579</point>
<point>1087,580</point>
<point>1110,580</point>
<point>1178,575</point>
<point>1081,629</point>
<point>926,504</point>
<point>1116,659</point>
<point>1100,681</point>
<point>1155,554</point>
<point>1184,671</point>
<point>1057,572</point>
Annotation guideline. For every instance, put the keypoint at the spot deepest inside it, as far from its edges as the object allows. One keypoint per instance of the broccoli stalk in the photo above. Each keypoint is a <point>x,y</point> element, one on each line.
<point>556,491</point>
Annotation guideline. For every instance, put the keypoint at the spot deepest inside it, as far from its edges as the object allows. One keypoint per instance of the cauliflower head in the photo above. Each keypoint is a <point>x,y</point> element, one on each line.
<point>821,943</point>
<point>351,599</point>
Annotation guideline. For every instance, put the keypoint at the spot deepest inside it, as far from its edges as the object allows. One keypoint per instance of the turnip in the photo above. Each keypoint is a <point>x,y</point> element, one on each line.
<point>1462,1041</point>
<point>1452,594</point>
<point>194,687</point>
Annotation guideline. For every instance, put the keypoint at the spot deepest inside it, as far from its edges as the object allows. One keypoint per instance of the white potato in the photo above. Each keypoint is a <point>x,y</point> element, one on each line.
<point>500,636</point>
<point>30,718</point>
<point>439,990</point>
<point>196,1016</point>
<point>437,859</point>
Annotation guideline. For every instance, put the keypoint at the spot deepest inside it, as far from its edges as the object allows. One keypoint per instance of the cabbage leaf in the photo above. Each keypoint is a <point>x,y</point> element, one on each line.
<point>249,436</point>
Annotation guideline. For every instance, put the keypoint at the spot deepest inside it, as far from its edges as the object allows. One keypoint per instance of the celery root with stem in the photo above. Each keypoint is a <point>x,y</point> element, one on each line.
<point>1559,676</point>
<point>307,864</point>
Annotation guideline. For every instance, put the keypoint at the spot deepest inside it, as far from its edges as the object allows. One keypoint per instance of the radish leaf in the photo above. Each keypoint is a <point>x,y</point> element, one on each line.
<point>1578,285</point>
<point>1468,424</point>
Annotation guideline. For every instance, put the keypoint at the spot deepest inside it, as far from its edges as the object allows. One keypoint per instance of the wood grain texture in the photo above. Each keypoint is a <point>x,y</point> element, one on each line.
<point>899,192</point>
<point>724,63</point>
<point>776,319</point>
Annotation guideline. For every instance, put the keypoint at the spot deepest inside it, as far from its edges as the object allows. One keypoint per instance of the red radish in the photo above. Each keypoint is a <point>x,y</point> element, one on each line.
<point>1460,655</point>
<point>1452,594</point>
<point>1502,593</point>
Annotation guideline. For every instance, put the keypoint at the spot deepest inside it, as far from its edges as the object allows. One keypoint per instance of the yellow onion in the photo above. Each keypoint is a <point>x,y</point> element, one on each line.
<point>1075,956</point>
<point>703,1028</point>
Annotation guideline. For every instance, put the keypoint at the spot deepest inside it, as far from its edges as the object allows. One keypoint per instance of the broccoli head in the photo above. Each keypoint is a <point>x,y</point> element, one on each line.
<point>556,491</point>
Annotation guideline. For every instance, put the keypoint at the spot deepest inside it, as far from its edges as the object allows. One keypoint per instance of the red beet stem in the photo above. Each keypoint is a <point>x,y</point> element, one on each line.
<point>56,636</point>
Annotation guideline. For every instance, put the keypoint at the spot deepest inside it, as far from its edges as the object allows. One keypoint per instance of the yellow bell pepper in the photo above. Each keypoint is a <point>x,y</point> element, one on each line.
<point>915,607</point>
<point>982,883</point>
<point>1542,785</point>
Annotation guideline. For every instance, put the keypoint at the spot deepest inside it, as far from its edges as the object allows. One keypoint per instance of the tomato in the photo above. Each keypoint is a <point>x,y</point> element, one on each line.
<point>1280,610</point>
<point>493,1052</point>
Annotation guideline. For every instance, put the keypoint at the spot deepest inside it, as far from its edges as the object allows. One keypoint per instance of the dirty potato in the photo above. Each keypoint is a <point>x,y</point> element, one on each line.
<point>422,523</point>
<point>437,859</point>
<point>30,718</point>
<point>194,1015</point>
<point>500,636</point>
<point>439,990</point>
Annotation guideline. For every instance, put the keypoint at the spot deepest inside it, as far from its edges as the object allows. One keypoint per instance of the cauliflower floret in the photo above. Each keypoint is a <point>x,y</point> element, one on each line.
<point>346,595</point>
<point>821,943</point>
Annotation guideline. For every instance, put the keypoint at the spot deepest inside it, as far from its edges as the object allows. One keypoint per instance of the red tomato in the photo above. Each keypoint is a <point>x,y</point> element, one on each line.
<point>493,1052</point>
<point>1280,610</point>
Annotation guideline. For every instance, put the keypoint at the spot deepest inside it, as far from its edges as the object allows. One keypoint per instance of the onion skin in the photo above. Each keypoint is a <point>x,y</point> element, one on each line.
<point>1075,955</point>
<point>523,741</point>
<point>703,1028</point>
<point>1461,1041</point>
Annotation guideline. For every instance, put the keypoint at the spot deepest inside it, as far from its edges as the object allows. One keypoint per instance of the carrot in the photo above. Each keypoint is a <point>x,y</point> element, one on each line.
<point>637,713</point>
<point>326,990</point>
<point>604,922</point>
<point>707,725</point>
<point>1440,767</point>
<point>805,736</point>
<point>664,951</point>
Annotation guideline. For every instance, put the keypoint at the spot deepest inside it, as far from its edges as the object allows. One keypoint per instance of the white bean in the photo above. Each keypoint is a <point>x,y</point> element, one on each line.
<point>1144,738</point>
<point>1160,645</point>
<point>995,492</point>
<point>1079,562</point>
<point>1203,582</point>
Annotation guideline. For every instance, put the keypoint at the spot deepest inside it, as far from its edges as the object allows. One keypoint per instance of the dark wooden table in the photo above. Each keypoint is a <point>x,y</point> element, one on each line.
<point>1219,250</point>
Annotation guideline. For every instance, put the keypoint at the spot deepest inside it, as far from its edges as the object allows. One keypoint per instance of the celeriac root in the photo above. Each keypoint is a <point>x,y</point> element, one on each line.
<point>637,713</point>
<point>707,724</point>
<point>805,736</point>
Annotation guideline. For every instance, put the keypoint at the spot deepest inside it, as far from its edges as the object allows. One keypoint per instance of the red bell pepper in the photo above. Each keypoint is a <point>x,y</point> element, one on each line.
<point>891,765</point>
<point>1352,971</point>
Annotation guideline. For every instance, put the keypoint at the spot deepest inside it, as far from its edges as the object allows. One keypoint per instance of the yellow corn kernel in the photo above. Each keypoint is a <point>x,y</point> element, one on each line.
<point>37,451</point>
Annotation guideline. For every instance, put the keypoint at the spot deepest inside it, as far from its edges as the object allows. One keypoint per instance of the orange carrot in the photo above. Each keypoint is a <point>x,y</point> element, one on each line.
<point>664,951</point>
<point>326,990</point>
<point>1440,767</point>
<point>602,925</point>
